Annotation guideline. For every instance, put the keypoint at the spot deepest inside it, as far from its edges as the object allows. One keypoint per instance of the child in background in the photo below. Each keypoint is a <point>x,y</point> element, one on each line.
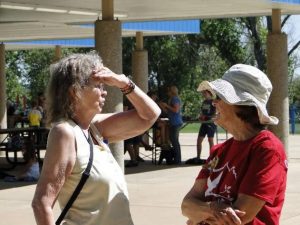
<point>34,116</point>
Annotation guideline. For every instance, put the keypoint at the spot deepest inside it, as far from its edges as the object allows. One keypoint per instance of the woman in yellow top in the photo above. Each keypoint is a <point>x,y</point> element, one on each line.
<point>34,116</point>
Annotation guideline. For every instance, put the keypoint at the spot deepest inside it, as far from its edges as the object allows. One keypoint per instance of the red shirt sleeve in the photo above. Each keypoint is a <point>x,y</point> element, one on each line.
<point>203,174</point>
<point>266,172</point>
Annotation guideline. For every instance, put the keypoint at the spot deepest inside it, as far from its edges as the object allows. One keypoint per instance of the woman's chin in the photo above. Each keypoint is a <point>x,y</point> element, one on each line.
<point>100,109</point>
<point>215,118</point>
<point>101,105</point>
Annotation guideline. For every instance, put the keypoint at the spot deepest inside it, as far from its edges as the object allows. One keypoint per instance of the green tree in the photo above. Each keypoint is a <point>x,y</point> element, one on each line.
<point>245,42</point>
<point>226,36</point>
<point>181,60</point>
<point>27,71</point>
<point>14,74</point>
<point>37,64</point>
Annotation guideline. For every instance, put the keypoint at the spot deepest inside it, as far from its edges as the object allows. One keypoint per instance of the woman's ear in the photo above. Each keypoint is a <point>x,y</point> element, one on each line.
<point>72,94</point>
<point>71,91</point>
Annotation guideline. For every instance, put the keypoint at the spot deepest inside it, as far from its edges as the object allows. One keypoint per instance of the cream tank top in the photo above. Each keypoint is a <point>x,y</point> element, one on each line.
<point>104,198</point>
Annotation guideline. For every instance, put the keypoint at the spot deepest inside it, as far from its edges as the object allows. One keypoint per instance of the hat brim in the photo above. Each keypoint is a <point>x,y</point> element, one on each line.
<point>235,96</point>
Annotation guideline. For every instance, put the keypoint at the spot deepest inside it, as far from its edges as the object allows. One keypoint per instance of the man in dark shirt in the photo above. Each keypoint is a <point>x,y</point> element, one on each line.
<point>207,127</point>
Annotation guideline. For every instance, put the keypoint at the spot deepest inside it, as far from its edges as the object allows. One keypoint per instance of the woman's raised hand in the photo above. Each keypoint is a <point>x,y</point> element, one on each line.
<point>108,77</point>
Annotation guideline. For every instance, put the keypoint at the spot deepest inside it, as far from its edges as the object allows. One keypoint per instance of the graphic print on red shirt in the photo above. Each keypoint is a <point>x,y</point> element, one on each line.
<point>256,167</point>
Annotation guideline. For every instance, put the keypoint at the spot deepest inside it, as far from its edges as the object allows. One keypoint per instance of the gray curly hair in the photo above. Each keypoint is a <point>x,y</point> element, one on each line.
<point>69,75</point>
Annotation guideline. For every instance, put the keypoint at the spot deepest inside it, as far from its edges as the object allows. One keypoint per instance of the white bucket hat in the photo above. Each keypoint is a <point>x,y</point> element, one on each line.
<point>243,85</point>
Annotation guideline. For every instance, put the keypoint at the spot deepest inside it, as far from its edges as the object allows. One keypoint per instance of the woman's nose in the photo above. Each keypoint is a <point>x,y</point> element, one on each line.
<point>103,93</point>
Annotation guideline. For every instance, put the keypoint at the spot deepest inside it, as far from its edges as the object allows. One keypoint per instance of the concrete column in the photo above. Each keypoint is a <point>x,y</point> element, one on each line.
<point>277,70</point>
<point>3,110</point>
<point>140,63</point>
<point>140,67</point>
<point>58,53</point>
<point>108,43</point>
<point>2,88</point>
<point>108,10</point>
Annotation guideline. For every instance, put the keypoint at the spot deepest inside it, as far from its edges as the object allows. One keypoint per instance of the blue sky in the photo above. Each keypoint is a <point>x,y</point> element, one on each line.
<point>292,29</point>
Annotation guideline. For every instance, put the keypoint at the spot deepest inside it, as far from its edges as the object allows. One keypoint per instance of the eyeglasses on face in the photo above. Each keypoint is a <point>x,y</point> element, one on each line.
<point>99,86</point>
<point>217,98</point>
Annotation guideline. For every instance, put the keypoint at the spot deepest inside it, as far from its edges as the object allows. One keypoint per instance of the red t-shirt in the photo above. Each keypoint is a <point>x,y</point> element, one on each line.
<point>256,167</point>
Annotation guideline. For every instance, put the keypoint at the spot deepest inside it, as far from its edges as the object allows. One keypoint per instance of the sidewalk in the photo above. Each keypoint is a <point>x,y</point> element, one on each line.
<point>156,195</point>
<point>155,191</point>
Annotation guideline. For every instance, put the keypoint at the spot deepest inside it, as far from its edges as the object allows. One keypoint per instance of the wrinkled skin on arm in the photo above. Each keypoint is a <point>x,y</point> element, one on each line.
<point>58,164</point>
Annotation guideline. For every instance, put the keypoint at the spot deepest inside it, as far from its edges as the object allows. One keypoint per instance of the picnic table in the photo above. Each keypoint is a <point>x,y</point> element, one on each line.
<point>14,137</point>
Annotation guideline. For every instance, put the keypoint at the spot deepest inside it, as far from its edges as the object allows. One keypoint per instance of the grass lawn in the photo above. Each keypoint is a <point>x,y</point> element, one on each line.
<point>194,128</point>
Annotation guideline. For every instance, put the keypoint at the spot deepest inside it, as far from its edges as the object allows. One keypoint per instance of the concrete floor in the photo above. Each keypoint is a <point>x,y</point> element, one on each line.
<point>155,191</point>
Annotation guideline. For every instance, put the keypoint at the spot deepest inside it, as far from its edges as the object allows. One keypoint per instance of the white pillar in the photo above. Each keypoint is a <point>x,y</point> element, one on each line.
<point>108,43</point>
<point>140,67</point>
<point>277,70</point>
<point>3,99</point>
<point>58,53</point>
<point>140,63</point>
<point>3,110</point>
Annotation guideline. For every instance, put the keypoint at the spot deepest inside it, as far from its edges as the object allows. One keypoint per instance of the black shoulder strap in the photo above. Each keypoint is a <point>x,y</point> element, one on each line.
<point>80,185</point>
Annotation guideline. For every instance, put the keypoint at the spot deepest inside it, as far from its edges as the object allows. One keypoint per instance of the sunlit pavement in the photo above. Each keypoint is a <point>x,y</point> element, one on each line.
<point>155,191</point>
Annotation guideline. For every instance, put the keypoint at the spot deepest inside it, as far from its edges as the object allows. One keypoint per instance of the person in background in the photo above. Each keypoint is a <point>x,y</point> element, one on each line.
<point>161,131</point>
<point>31,170</point>
<point>34,115</point>
<point>10,114</point>
<point>173,108</point>
<point>132,145</point>
<point>41,108</point>
<point>207,127</point>
<point>244,178</point>
<point>74,101</point>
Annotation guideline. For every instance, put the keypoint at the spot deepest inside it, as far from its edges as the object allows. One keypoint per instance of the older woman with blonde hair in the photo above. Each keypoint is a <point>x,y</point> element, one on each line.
<point>173,108</point>
<point>76,148</point>
<point>244,178</point>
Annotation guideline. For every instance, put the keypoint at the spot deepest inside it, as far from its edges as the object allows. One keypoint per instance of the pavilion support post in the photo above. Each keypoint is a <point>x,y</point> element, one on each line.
<point>140,63</point>
<point>3,110</point>
<point>3,99</point>
<point>140,67</point>
<point>108,44</point>
<point>108,10</point>
<point>58,53</point>
<point>277,70</point>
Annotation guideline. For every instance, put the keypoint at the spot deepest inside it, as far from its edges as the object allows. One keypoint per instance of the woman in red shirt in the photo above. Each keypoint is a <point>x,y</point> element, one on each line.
<point>244,178</point>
